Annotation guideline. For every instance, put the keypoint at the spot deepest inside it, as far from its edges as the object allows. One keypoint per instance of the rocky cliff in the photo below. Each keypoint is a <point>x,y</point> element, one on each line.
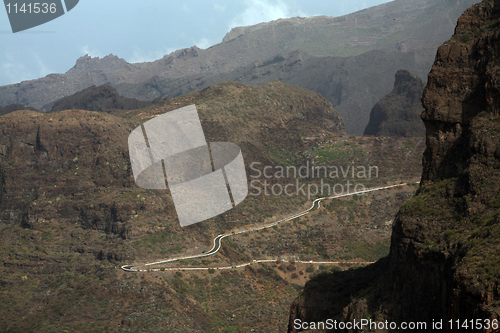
<point>398,113</point>
<point>443,262</point>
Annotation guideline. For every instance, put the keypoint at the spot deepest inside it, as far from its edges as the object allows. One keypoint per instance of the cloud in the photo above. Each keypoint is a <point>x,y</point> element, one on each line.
<point>139,55</point>
<point>204,43</point>
<point>14,70</point>
<point>91,52</point>
<point>43,69</point>
<point>219,8</point>
<point>186,8</point>
<point>258,11</point>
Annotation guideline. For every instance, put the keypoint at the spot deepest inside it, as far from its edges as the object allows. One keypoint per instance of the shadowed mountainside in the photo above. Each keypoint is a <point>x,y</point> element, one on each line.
<point>14,107</point>
<point>99,98</point>
<point>352,84</point>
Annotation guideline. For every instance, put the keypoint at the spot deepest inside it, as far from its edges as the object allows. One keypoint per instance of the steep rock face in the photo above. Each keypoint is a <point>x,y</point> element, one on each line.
<point>369,46</point>
<point>463,82</point>
<point>50,160</point>
<point>461,174</point>
<point>99,98</point>
<point>398,113</point>
<point>443,262</point>
<point>444,239</point>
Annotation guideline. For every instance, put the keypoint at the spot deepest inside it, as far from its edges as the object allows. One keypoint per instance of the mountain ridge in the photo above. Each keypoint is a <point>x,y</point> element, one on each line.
<point>401,26</point>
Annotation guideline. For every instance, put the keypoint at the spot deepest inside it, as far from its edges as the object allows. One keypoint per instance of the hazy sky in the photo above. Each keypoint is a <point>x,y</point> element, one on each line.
<point>141,30</point>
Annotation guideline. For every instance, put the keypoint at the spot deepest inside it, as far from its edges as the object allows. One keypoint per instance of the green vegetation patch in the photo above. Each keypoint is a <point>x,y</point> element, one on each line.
<point>430,201</point>
<point>369,252</point>
<point>343,152</point>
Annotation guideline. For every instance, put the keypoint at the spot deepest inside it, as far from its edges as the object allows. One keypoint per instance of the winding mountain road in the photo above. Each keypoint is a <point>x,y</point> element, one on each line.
<point>218,240</point>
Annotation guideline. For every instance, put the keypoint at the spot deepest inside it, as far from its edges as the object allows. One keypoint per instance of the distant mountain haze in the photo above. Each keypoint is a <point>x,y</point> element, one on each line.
<point>351,60</point>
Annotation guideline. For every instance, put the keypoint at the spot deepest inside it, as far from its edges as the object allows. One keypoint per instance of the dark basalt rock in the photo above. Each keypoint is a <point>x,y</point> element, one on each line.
<point>398,113</point>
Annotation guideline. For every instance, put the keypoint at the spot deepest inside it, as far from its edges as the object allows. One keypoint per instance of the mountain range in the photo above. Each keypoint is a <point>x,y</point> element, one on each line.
<point>71,214</point>
<point>398,113</point>
<point>350,60</point>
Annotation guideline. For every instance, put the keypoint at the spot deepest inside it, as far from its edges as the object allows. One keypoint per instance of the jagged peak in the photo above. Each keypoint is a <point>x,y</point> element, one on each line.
<point>405,81</point>
<point>192,51</point>
<point>87,62</point>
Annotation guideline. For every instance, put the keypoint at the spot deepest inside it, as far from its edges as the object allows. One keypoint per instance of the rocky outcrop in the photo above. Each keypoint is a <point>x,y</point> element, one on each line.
<point>87,64</point>
<point>398,113</point>
<point>443,260</point>
<point>108,218</point>
<point>99,98</point>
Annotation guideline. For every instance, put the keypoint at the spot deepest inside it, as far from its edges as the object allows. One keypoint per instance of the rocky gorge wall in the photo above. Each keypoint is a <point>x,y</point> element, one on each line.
<point>443,263</point>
